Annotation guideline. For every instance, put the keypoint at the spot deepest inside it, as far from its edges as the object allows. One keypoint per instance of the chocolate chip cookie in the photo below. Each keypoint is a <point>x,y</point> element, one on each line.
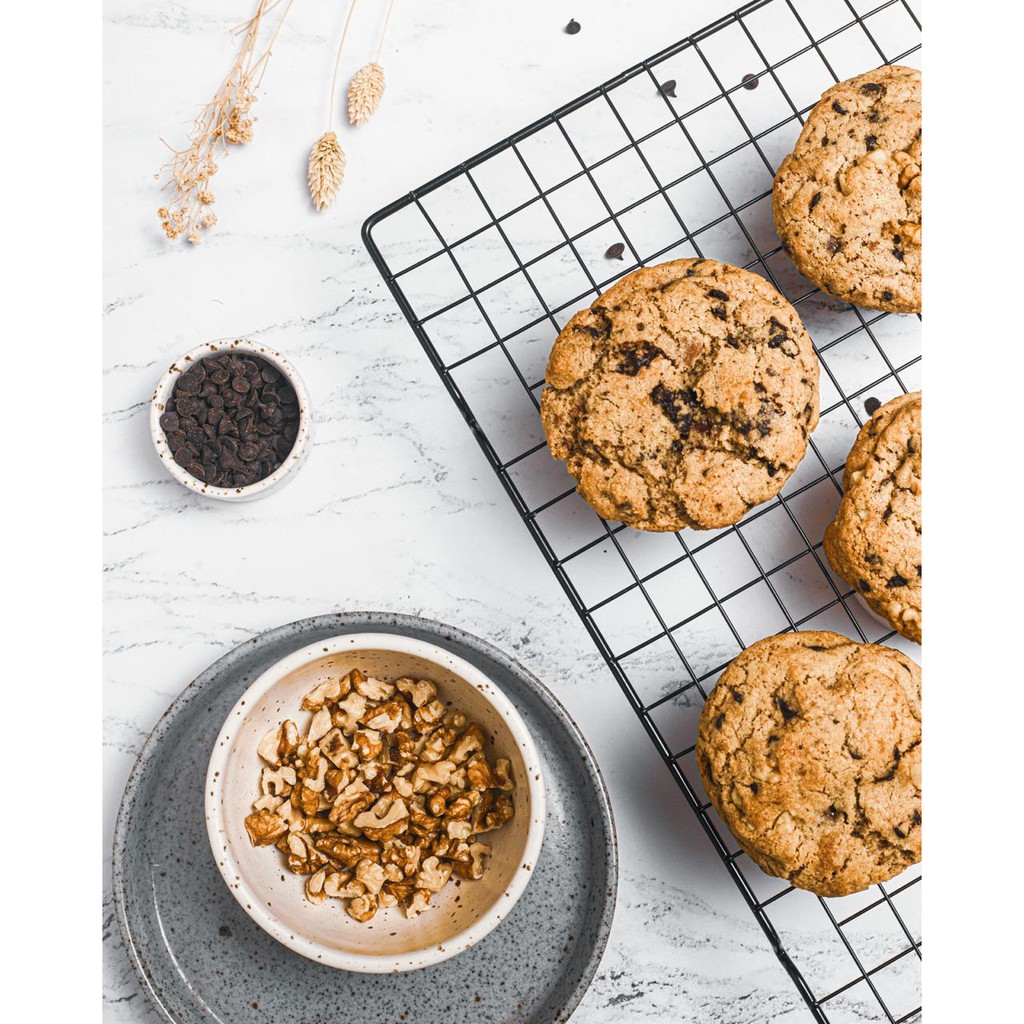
<point>810,750</point>
<point>874,542</point>
<point>683,396</point>
<point>847,200</point>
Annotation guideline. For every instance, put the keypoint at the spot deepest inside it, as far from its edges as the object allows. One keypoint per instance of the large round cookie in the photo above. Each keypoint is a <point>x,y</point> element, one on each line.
<point>682,397</point>
<point>810,749</point>
<point>874,542</point>
<point>847,200</point>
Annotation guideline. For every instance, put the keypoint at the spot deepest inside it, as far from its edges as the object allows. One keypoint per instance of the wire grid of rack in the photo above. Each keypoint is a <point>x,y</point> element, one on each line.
<point>675,157</point>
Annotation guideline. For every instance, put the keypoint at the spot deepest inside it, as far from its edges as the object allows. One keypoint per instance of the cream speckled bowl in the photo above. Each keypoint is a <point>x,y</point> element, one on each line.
<point>293,460</point>
<point>275,898</point>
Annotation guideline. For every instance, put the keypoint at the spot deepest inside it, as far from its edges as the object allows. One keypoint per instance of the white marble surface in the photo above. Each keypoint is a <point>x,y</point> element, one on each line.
<point>397,508</point>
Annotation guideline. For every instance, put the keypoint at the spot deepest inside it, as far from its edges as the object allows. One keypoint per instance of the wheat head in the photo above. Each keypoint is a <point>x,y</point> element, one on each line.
<point>365,92</point>
<point>326,169</point>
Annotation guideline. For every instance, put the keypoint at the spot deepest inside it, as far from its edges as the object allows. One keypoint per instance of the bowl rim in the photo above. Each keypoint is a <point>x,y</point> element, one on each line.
<point>253,905</point>
<point>165,388</point>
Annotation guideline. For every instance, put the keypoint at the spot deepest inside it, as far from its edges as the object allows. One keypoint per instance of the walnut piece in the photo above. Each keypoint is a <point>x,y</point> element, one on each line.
<point>383,799</point>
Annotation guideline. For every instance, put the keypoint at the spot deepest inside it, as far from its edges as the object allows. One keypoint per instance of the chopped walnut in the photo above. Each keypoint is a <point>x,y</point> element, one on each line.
<point>384,797</point>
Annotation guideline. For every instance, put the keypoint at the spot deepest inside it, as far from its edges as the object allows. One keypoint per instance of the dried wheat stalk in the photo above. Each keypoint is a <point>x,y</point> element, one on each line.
<point>224,120</point>
<point>365,92</point>
<point>326,169</point>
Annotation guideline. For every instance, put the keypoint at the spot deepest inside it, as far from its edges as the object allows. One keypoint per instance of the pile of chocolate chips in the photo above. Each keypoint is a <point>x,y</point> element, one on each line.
<point>232,420</point>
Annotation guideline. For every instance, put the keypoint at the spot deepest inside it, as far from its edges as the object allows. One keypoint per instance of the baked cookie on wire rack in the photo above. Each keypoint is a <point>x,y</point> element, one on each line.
<point>809,747</point>
<point>847,200</point>
<point>682,397</point>
<point>874,542</point>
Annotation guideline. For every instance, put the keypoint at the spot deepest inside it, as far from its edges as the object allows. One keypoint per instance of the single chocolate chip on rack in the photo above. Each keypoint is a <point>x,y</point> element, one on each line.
<point>231,420</point>
<point>750,81</point>
<point>615,251</point>
<point>668,88</point>
<point>872,405</point>
<point>573,27</point>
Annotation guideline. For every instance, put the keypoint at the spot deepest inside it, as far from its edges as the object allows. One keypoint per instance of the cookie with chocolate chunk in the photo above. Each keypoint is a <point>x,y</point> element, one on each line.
<point>684,396</point>
<point>847,200</point>
<point>874,542</point>
<point>810,750</point>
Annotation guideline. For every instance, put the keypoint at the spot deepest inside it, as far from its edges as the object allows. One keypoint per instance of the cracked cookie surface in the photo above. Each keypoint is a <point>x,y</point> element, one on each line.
<point>847,200</point>
<point>683,396</point>
<point>810,750</point>
<point>874,542</point>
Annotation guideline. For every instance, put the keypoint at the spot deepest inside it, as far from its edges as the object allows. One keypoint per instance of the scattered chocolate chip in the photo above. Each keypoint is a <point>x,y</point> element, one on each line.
<point>871,141</point>
<point>872,405</point>
<point>899,832</point>
<point>719,312</point>
<point>719,721</point>
<point>750,81</point>
<point>634,359</point>
<point>838,107</point>
<point>870,87</point>
<point>864,585</point>
<point>887,296</point>
<point>573,27</point>
<point>737,696</point>
<point>834,245</point>
<point>815,199</point>
<point>899,253</point>
<point>614,252</point>
<point>896,580</point>
<point>668,88</point>
<point>754,788</point>
<point>716,293</point>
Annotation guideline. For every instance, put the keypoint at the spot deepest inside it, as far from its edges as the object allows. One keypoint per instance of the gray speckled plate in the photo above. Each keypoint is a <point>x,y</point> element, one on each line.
<point>201,958</point>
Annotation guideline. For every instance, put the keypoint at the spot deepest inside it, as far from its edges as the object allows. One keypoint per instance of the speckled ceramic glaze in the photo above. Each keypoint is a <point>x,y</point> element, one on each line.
<point>293,461</point>
<point>463,913</point>
<point>201,958</point>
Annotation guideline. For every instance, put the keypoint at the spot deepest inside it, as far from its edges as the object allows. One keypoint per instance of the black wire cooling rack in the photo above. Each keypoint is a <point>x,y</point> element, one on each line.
<point>675,157</point>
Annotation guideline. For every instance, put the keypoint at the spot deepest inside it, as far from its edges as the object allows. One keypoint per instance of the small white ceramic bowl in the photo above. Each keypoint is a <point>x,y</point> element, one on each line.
<point>292,462</point>
<point>275,897</point>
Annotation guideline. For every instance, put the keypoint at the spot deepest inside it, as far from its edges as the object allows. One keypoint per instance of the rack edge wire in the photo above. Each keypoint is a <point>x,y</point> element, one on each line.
<point>496,463</point>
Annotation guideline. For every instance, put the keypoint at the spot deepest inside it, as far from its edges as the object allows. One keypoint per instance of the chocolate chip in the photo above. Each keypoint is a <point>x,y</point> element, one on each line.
<point>750,81</point>
<point>871,141</point>
<point>896,580</point>
<point>834,245</point>
<point>899,832</point>
<point>737,696</point>
<point>716,293</point>
<point>815,199</point>
<point>225,424</point>
<point>864,585</point>
<point>754,788</point>
<point>838,107</point>
<point>787,711</point>
<point>668,88</point>
<point>614,252</point>
<point>872,405</point>
<point>634,359</point>
<point>899,253</point>
<point>887,296</point>
<point>870,87</point>
<point>573,27</point>
<point>719,721</point>
<point>719,312</point>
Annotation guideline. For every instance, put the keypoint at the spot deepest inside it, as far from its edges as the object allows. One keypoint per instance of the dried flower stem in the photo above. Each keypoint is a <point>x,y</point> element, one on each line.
<point>337,62</point>
<point>224,120</point>
<point>383,31</point>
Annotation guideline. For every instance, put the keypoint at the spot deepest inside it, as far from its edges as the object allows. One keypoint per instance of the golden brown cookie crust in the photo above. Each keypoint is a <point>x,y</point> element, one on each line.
<point>683,396</point>
<point>847,200</point>
<point>810,750</point>
<point>874,542</point>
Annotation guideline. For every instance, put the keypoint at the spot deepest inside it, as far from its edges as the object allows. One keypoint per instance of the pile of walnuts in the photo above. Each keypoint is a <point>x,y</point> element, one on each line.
<point>383,799</point>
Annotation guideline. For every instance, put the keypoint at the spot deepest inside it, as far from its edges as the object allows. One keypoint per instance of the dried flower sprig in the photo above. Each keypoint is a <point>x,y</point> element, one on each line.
<point>366,89</point>
<point>225,120</point>
<point>327,159</point>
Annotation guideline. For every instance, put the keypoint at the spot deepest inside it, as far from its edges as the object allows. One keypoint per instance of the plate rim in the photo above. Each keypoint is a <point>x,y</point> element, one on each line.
<point>444,633</point>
